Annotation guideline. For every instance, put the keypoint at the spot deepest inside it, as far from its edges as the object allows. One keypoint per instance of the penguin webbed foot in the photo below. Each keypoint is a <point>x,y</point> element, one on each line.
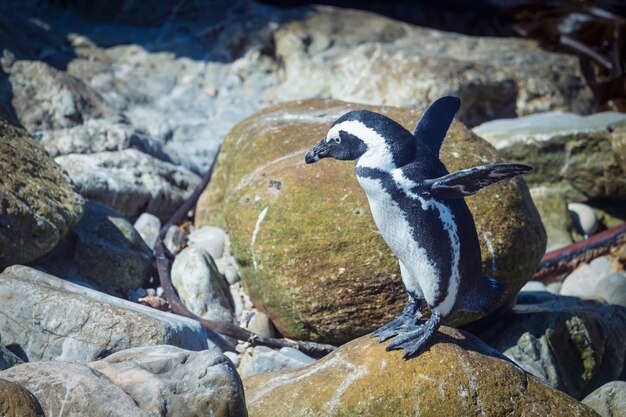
<point>414,338</point>
<point>408,319</point>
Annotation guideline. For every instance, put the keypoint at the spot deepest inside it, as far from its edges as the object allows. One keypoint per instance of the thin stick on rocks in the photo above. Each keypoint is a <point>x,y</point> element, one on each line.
<point>163,265</point>
<point>556,264</point>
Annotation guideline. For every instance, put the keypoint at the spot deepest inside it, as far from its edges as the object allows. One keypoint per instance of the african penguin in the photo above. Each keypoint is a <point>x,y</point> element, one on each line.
<point>420,211</point>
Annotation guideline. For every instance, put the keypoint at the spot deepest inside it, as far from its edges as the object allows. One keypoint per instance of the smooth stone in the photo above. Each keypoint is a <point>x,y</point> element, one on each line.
<point>584,218</point>
<point>584,154</point>
<point>534,286</point>
<point>104,250</point>
<point>612,288</point>
<point>570,344</point>
<point>609,400</point>
<point>174,239</point>
<point>8,359</point>
<point>283,216</point>
<point>233,357</point>
<point>262,359</point>
<point>552,207</point>
<point>200,286</point>
<point>211,239</point>
<point>584,280</point>
<point>148,226</point>
<point>231,274</point>
<point>17,401</point>
<point>130,181</point>
<point>458,375</point>
<point>261,325</point>
<point>39,205</point>
<point>72,323</point>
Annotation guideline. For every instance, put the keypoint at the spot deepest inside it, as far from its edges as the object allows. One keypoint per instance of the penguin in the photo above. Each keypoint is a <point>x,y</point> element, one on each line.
<point>420,210</point>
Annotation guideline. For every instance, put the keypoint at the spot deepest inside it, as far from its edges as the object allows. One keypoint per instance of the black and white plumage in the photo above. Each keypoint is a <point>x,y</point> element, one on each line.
<point>419,209</point>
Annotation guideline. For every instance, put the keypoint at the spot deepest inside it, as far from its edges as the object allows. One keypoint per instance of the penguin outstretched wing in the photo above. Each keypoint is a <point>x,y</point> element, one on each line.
<point>434,124</point>
<point>469,181</point>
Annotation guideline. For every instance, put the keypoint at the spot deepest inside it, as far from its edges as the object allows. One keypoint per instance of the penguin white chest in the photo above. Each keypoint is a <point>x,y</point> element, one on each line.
<point>420,275</point>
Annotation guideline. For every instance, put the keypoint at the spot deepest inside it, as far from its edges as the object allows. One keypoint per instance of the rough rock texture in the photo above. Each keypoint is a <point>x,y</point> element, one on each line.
<point>570,344</point>
<point>39,205</point>
<point>551,203</point>
<point>169,381</point>
<point>260,359</point>
<point>356,56</point>
<point>73,323</point>
<point>457,376</point>
<point>17,401</point>
<point>609,400</point>
<point>200,285</point>
<point>104,250</point>
<point>304,237</point>
<point>586,154</point>
<point>8,359</point>
<point>130,181</point>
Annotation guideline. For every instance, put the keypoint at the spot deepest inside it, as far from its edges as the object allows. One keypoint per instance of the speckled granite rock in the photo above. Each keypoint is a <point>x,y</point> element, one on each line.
<point>457,376</point>
<point>296,229</point>
<point>39,204</point>
<point>609,400</point>
<point>73,323</point>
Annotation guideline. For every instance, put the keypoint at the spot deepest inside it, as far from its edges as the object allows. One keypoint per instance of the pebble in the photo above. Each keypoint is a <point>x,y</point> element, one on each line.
<point>148,225</point>
<point>612,288</point>
<point>210,238</point>
<point>174,239</point>
<point>151,292</point>
<point>584,280</point>
<point>231,274</point>
<point>534,286</point>
<point>584,218</point>
<point>260,324</point>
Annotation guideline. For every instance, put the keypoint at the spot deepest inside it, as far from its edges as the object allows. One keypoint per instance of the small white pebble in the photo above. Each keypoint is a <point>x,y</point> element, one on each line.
<point>159,292</point>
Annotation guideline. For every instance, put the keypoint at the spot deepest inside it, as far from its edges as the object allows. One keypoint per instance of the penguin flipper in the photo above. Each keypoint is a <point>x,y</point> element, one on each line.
<point>469,181</point>
<point>435,121</point>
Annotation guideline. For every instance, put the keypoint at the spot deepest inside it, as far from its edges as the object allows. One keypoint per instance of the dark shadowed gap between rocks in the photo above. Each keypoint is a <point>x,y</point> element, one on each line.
<point>163,260</point>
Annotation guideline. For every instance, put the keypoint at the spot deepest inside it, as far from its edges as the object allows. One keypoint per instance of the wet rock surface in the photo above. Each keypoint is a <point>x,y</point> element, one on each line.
<point>261,188</point>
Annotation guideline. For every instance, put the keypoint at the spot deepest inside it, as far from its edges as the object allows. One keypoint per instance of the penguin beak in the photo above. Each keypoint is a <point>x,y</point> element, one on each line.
<point>316,152</point>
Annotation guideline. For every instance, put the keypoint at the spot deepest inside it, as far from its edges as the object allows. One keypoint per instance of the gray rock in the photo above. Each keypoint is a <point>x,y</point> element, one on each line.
<point>211,239</point>
<point>609,400</point>
<point>148,225</point>
<point>45,98</point>
<point>17,401</point>
<point>135,294</point>
<point>73,390</point>
<point>174,239</point>
<point>169,381</point>
<point>531,286</point>
<point>231,274</point>
<point>261,325</point>
<point>39,205</point>
<point>583,282</point>
<point>73,323</point>
<point>584,154</point>
<point>8,359</point>
<point>584,218</point>
<point>262,359</point>
<point>130,181</point>
<point>200,286</point>
<point>552,207</point>
<point>612,288</point>
<point>103,250</point>
<point>570,344</point>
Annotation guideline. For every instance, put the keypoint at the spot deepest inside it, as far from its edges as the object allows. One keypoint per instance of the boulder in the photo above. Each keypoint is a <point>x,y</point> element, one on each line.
<point>17,401</point>
<point>586,155</point>
<point>73,323</point>
<point>310,253</point>
<point>39,205</point>
<point>570,344</point>
<point>103,250</point>
<point>457,376</point>
<point>260,359</point>
<point>609,400</point>
<point>130,181</point>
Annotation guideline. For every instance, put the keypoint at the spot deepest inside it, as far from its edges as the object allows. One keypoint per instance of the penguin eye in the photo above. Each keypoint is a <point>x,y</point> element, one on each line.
<point>337,140</point>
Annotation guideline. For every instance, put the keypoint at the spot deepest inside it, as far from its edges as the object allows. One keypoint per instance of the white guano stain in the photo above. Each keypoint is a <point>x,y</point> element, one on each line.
<point>486,237</point>
<point>254,234</point>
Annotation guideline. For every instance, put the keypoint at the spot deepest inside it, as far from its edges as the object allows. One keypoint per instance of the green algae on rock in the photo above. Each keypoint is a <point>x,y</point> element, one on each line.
<point>304,237</point>
<point>457,376</point>
<point>39,205</point>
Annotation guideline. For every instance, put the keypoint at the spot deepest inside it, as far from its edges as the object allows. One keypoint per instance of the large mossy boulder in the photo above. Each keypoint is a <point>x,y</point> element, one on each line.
<point>457,376</point>
<point>304,236</point>
<point>39,205</point>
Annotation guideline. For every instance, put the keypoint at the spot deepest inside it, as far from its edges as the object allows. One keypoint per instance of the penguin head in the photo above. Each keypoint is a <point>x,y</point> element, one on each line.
<point>364,133</point>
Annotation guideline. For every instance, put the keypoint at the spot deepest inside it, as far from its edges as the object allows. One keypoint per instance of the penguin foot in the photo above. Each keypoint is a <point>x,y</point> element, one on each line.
<point>409,317</point>
<point>414,338</point>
